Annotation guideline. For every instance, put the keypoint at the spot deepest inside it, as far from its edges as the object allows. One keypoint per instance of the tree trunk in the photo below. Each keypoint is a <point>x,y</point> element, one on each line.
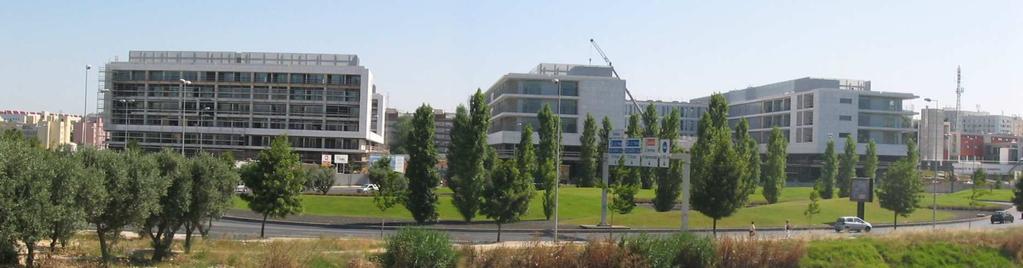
<point>262,227</point>
<point>382,227</point>
<point>104,249</point>
<point>714,230</point>
<point>189,228</point>
<point>895,224</point>
<point>31,257</point>
<point>53,243</point>
<point>206,232</point>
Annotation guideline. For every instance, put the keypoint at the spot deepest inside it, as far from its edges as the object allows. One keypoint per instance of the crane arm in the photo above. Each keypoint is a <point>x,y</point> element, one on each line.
<point>613,71</point>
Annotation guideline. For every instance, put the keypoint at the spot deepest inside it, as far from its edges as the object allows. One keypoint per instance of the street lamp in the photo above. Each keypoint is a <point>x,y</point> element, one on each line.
<point>181,111</point>
<point>201,125</point>
<point>557,167</point>
<point>85,101</point>
<point>934,180</point>
<point>125,103</point>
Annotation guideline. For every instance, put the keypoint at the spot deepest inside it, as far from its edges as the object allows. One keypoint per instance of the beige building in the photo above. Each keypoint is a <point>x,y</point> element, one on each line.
<point>51,129</point>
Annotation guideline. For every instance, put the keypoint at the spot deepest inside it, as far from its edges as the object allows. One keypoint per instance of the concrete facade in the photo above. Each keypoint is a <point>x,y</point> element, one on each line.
<point>90,132</point>
<point>52,130</point>
<point>240,101</point>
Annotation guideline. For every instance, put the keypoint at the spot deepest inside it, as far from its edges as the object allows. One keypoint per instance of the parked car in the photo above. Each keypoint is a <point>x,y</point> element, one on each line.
<point>241,189</point>
<point>367,188</point>
<point>852,224</point>
<point>1002,217</point>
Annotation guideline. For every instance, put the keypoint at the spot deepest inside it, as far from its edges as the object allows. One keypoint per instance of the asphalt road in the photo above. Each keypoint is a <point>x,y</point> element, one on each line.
<point>246,230</point>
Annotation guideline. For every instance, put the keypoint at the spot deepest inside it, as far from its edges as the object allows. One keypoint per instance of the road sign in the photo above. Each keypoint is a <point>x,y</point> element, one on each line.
<point>325,159</point>
<point>632,160</point>
<point>665,148</point>
<point>650,161</point>
<point>664,162</point>
<point>650,146</point>
<point>633,146</point>
<point>615,143</point>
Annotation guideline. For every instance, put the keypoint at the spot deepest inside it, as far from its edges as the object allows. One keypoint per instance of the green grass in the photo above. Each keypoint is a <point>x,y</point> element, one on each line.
<point>582,206</point>
<point>869,252</point>
<point>961,199</point>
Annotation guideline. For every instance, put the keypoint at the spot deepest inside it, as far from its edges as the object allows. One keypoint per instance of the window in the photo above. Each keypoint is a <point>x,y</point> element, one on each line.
<point>843,135</point>
<point>845,117</point>
<point>804,135</point>
<point>845,100</point>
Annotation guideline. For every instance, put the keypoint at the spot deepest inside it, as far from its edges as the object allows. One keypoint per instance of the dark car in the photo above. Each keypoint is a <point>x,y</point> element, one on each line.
<point>1001,217</point>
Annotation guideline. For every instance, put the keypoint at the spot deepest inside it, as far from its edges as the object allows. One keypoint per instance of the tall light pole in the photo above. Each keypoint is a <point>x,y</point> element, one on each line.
<point>85,100</point>
<point>934,179</point>
<point>557,167</point>
<point>181,112</point>
<point>201,125</point>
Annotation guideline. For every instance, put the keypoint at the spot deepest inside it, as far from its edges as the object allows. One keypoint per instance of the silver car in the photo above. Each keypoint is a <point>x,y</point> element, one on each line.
<point>852,224</point>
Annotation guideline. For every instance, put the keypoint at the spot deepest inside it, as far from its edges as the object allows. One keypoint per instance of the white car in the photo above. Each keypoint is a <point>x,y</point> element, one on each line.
<point>852,224</point>
<point>367,188</point>
<point>241,189</point>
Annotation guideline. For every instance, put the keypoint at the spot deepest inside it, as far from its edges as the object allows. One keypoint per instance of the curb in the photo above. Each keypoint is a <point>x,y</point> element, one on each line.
<point>481,230</point>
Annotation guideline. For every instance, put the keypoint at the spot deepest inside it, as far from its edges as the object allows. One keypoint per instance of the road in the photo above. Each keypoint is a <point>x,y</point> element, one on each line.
<point>246,230</point>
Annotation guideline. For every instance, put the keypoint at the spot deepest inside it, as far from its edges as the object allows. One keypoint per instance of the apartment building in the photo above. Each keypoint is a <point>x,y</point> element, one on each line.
<point>443,122</point>
<point>572,91</point>
<point>326,104</point>
<point>90,132</point>
<point>52,130</point>
<point>811,111</point>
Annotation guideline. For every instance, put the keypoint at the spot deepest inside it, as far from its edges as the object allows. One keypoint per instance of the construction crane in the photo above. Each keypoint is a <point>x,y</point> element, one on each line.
<point>615,73</point>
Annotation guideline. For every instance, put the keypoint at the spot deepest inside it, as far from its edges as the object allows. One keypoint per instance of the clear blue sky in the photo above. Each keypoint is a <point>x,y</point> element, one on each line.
<point>439,51</point>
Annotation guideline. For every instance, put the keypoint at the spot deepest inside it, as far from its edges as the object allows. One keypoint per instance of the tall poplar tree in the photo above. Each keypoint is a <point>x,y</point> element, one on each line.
<point>847,167</point>
<point>421,170</point>
<point>829,170</point>
<point>774,170</point>
<point>525,155</point>
<point>669,181</point>
<point>547,156</point>
<point>605,135</point>
<point>749,153</point>
<point>467,183</point>
<point>651,128</point>
<point>870,161</point>
<point>588,153</point>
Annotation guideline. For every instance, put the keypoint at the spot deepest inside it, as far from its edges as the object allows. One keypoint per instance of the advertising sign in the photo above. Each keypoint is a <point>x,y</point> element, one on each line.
<point>862,190</point>
<point>340,159</point>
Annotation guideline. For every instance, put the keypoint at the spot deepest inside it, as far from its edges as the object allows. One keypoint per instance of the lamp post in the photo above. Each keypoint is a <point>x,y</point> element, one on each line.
<point>557,167</point>
<point>85,100</point>
<point>181,111</point>
<point>934,179</point>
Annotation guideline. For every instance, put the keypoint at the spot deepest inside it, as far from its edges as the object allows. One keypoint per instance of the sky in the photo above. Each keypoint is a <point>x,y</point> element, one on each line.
<point>439,52</point>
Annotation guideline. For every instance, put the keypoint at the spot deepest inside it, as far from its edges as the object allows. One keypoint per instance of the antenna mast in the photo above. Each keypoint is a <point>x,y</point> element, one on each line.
<point>959,101</point>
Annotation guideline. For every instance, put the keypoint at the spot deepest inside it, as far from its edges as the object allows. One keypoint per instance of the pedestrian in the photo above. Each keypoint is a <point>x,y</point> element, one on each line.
<point>788,229</point>
<point>752,229</point>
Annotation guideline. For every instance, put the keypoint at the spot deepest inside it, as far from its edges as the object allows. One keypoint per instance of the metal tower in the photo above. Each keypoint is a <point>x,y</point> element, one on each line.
<point>959,98</point>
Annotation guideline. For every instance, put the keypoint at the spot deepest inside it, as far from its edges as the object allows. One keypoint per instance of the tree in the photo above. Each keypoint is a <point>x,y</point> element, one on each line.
<point>1017,195</point>
<point>829,171</point>
<point>979,179</point>
<point>467,181</point>
<point>774,169</point>
<point>525,154</point>
<point>391,186</point>
<point>813,208</point>
<point>720,174</point>
<point>651,128</point>
<point>632,130</point>
<point>623,189</point>
<point>132,189</point>
<point>870,161</point>
<point>25,185</point>
<point>66,189</point>
<point>506,195</point>
<point>320,179</point>
<point>275,182</point>
<point>605,135</point>
<point>749,152</point>
<point>421,200</point>
<point>669,182</point>
<point>401,126</point>
<point>847,167</point>
<point>548,160</point>
<point>213,183</point>
<point>173,205</point>
<point>588,153</point>
<point>899,188</point>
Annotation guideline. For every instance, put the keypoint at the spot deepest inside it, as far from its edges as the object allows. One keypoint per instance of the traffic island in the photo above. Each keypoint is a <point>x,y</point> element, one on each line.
<point>604,227</point>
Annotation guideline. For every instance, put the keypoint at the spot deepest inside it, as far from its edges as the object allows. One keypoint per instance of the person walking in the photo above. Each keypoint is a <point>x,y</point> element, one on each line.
<point>752,229</point>
<point>788,229</point>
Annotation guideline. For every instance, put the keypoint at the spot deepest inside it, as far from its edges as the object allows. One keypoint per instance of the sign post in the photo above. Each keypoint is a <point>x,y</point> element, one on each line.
<point>645,152</point>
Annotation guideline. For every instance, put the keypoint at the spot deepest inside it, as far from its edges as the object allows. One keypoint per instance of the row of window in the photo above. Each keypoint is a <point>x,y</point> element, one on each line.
<point>193,139</point>
<point>235,92</point>
<point>239,77</point>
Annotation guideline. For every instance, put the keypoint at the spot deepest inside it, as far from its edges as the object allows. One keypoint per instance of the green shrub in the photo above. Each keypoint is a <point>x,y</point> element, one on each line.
<point>413,247</point>
<point>851,253</point>
<point>8,253</point>
<point>682,249</point>
<point>941,254</point>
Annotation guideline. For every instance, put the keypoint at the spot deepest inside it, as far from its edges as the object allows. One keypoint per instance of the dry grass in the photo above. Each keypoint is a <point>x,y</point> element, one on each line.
<point>738,252</point>
<point>595,254</point>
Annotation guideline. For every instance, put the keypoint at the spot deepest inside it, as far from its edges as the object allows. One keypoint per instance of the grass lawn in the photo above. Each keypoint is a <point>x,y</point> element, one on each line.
<point>961,199</point>
<point>582,206</point>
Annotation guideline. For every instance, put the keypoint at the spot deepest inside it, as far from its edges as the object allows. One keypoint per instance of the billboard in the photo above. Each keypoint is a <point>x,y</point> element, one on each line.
<point>862,190</point>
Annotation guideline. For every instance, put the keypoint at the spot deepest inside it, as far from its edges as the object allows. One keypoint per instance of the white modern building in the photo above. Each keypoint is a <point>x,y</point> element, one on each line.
<point>572,91</point>
<point>690,112</point>
<point>240,101</point>
<point>810,111</point>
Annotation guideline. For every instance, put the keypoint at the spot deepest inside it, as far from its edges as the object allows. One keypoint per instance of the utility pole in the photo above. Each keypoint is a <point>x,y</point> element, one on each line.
<point>956,127</point>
